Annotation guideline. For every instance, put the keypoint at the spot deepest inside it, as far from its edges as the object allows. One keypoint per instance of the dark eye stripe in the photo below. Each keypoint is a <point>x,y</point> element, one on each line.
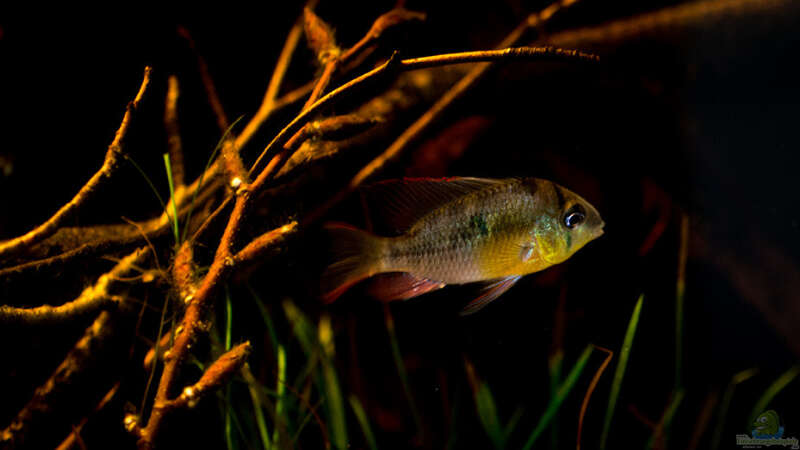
<point>559,195</point>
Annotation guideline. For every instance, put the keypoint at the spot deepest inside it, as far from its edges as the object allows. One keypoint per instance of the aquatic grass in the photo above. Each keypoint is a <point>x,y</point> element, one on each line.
<point>563,392</point>
<point>452,429</point>
<point>555,364</point>
<point>727,398</point>
<point>253,387</point>
<point>590,390</point>
<point>301,327</point>
<point>148,180</point>
<point>228,334</point>
<point>486,407</point>
<point>703,419</point>
<point>680,289</point>
<point>401,369</point>
<point>175,227</point>
<point>778,385</point>
<point>363,421</point>
<point>661,430</point>
<point>202,175</point>
<point>619,373</point>
<point>280,390</point>
<point>335,400</point>
<point>266,317</point>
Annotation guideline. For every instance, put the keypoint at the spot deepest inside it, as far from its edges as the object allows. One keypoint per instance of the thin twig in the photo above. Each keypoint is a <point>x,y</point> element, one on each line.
<point>256,248</point>
<point>268,104</point>
<point>117,241</point>
<point>110,165</point>
<point>91,299</point>
<point>57,388</point>
<point>686,14</point>
<point>426,119</point>
<point>379,27</point>
<point>393,66</point>
<point>73,437</point>
<point>208,82</point>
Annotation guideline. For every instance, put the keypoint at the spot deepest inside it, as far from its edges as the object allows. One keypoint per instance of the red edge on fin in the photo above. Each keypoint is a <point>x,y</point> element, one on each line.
<point>401,286</point>
<point>331,296</point>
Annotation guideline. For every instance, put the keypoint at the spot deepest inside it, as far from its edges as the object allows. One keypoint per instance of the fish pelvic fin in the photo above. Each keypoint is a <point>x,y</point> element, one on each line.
<point>490,292</point>
<point>356,256</point>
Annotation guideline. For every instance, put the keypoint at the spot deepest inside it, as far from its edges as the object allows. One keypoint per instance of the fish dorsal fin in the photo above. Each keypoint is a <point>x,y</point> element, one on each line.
<point>401,286</point>
<point>490,292</point>
<point>397,204</point>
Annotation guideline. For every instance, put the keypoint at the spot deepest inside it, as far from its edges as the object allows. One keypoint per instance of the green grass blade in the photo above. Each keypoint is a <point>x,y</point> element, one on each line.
<point>148,180</point>
<point>452,429</point>
<point>361,415</point>
<point>487,412</point>
<point>727,398</point>
<point>175,228</point>
<point>772,391</point>
<point>267,317</point>
<point>228,326</point>
<point>255,397</point>
<point>555,403</point>
<point>200,183</point>
<point>664,423</point>
<point>335,400</point>
<point>280,389</point>
<point>619,373</point>
<point>401,369</point>
<point>555,366</point>
<point>512,422</point>
<point>228,420</point>
<point>301,327</point>
<point>228,319</point>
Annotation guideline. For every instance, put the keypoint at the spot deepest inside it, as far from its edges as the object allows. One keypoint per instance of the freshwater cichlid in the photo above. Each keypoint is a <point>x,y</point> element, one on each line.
<point>461,230</point>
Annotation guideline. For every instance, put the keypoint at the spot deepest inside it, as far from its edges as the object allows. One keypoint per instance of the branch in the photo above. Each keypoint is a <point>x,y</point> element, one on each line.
<point>173,132</point>
<point>215,376</point>
<point>110,164</point>
<point>208,82</point>
<point>113,239</point>
<point>682,15</point>
<point>393,65</point>
<point>69,389</point>
<point>383,23</point>
<point>91,299</point>
<point>268,105</point>
<point>264,243</point>
<point>74,435</point>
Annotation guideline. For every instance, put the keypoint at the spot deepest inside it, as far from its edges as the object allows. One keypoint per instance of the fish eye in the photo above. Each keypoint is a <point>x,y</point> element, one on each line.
<point>574,216</point>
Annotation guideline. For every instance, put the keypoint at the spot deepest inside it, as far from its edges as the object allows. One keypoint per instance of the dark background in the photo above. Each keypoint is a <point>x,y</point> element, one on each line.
<point>698,120</point>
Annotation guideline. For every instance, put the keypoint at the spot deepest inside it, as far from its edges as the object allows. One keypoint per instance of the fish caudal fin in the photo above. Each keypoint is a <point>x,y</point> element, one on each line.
<point>356,255</point>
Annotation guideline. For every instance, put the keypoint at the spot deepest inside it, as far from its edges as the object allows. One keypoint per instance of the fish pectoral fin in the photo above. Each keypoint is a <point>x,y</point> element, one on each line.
<point>401,286</point>
<point>491,291</point>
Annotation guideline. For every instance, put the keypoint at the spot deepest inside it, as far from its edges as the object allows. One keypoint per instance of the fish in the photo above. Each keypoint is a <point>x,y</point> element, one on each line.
<point>459,230</point>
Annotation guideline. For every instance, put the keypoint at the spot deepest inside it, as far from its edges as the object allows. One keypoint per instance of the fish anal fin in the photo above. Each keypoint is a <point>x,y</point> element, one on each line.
<point>490,292</point>
<point>401,286</point>
<point>397,204</point>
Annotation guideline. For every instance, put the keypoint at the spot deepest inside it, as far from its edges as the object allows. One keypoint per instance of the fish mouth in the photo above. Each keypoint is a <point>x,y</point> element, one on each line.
<point>599,231</point>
